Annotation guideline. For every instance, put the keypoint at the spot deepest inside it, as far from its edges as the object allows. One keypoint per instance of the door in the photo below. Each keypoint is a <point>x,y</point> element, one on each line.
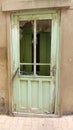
<point>35,41</point>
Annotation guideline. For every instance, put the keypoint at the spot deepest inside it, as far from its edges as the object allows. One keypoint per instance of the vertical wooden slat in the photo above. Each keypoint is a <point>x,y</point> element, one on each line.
<point>16,94</point>
<point>23,94</point>
<point>29,94</point>
<point>40,94</point>
<point>35,93</point>
<point>15,59</point>
<point>46,96</point>
<point>53,44</point>
<point>51,97</point>
<point>34,47</point>
<point>15,44</point>
<point>8,33</point>
<point>57,81</point>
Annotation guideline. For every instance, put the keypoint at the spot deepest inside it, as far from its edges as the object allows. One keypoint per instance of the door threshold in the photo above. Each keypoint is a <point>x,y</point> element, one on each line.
<point>21,114</point>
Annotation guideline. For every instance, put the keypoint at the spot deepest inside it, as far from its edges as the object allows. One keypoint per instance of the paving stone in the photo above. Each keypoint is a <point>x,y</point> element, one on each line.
<point>27,123</point>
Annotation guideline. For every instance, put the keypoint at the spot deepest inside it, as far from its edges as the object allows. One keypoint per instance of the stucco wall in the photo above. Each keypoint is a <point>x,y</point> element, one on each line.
<point>66,61</point>
<point>66,79</point>
<point>29,4</point>
<point>3,66</point>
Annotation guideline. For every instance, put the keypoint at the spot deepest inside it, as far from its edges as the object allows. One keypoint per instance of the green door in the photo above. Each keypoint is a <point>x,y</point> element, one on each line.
<point>34,61</point>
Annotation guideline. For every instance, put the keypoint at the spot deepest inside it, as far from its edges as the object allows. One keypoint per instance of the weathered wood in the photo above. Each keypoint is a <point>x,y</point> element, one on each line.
<point>29,87</point>
<point>9,62</point>
<point>35,47</point>
<point>32,4</point>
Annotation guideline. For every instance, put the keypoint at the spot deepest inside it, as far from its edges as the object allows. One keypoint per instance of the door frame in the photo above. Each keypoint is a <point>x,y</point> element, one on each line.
<point>55,13</point>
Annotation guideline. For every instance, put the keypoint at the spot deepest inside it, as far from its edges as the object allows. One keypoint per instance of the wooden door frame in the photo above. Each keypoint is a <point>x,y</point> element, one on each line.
<point>9,53</point>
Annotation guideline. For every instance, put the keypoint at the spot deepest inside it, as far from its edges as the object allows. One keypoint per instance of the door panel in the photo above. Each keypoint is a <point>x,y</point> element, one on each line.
<point>23,94</point>
<point>34,95</point>
<point>46,95</point>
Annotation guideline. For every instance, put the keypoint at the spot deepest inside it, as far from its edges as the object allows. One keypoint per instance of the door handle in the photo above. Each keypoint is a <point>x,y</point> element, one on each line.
<point>17,70</point>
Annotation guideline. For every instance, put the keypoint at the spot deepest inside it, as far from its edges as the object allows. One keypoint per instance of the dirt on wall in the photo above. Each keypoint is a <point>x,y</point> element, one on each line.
<point>3,81</point>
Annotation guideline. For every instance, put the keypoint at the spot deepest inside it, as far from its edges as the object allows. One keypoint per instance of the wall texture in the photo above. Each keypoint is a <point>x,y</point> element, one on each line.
<point>66,61</point>
<point>29,4</point>
<point>3,66</point>
<point>66,78</point>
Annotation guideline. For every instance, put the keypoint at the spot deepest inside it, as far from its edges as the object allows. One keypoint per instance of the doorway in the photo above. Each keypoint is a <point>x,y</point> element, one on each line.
<point>34,55</point>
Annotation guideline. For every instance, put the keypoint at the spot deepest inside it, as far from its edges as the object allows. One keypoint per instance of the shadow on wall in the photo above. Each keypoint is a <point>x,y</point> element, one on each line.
<point>2,106</point>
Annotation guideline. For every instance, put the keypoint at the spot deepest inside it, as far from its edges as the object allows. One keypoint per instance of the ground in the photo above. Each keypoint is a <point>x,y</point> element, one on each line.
<point>32,123</point>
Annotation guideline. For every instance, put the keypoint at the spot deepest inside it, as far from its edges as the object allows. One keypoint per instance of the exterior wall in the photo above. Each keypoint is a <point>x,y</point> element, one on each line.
<point>66,79</point>
<point>66,62</point>
<point>3,66</point>
<point>29,4</point>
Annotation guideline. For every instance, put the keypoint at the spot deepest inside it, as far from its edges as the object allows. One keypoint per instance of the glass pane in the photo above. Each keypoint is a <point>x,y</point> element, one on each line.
<point>43,46</point>
<point>26,41</point>
<point>43,70</point>
<point>26,70</point>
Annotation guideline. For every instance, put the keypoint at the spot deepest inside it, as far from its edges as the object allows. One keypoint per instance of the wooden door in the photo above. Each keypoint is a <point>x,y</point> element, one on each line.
<point>34,81</point>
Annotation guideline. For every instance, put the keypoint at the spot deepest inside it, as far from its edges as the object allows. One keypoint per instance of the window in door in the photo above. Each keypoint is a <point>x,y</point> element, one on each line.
<point>35,47</point>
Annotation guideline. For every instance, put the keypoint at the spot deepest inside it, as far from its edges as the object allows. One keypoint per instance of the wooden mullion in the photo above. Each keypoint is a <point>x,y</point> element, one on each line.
<point>43,64</point>
<point>34,47</point>
<point>26,64</point>
<point>36,64</point>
